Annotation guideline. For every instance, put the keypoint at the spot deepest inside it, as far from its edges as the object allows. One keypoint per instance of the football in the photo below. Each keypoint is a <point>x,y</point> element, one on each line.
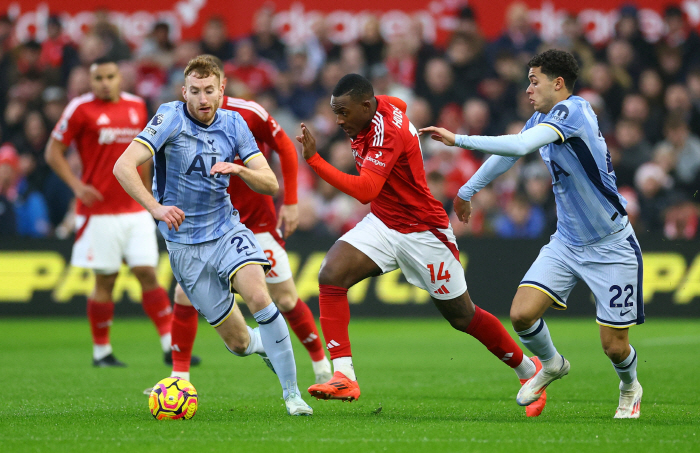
<point>173,398</point>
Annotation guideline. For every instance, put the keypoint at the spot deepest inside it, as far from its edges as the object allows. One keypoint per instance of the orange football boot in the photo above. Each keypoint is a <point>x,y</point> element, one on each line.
<point>536,408</point>
<point>338,388</point>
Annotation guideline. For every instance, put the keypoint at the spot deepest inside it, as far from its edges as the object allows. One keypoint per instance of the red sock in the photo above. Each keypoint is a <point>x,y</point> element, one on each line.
<point>183,333</point>
<point>301,320</point>
<point>156,304</point>
<point>100,315</point>
<point>486,328</point>
<point>335,318</point>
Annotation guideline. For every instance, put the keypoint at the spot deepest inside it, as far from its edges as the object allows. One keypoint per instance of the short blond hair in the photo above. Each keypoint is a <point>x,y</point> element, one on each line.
<point>202,67</point>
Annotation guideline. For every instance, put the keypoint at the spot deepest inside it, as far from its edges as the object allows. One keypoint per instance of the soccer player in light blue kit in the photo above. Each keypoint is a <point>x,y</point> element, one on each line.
<point>594,241</point>
<point>212,254</point>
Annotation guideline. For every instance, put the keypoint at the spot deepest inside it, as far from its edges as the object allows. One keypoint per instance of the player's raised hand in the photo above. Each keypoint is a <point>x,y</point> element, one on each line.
<point>308,142</point>
<point>88,194</point>
<point>463,209</point>
<point>225,168</point>
<point>171,215</point>
<point>289,217</point>
<point>439,134</point>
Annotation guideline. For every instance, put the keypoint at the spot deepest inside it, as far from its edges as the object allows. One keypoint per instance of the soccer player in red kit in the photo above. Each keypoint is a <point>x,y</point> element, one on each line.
<point>258,213</point>
<point>407,228</point>
<point>111,226</point>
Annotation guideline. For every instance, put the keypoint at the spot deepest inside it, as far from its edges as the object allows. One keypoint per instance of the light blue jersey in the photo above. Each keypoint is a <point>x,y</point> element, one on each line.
<point>589,206</point>
<point>184,150</point>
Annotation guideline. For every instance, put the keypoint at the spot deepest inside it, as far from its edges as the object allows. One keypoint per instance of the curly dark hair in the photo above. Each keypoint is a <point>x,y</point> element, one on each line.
<point>557,63</point>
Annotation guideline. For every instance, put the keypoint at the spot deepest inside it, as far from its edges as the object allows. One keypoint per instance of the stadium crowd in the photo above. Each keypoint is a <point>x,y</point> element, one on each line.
<point>646,96</point>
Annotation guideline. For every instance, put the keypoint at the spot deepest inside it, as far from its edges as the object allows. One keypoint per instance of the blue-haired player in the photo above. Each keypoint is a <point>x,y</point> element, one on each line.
<point>594,241</point>
<point>212,254</point>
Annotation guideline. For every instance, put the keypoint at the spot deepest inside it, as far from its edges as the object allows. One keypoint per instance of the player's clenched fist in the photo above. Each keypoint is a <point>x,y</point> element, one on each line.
<point>171,215</point>
<point>88,194</point>
<point>308,142</point>
<point>439,134</point>
<point>225,168</point>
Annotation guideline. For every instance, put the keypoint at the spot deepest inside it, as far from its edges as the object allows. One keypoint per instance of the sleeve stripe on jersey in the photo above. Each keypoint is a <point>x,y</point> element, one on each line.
<point>131,97</point>
<point>249,105</point>
<point>68,113</point>
<point>556,129</point>
<point>378,121</point>
<point>251,157</point>
<point>148,144</point>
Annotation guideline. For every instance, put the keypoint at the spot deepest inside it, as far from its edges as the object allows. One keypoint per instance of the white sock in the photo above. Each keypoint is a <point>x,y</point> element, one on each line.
<point>526,369</point>
<point>182,375</point>
<point>627,370</point>
<point>100,351</point>
<point>539,342</point>
<point>344,365</point>
<point>166,341</point>
<point>322,366</point>
<point>256,345</point>
<point>274,334</point>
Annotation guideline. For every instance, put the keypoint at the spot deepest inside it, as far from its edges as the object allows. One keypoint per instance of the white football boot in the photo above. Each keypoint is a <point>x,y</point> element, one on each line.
<point>630,401</point>
<point>533,388</point>
<point>296,405</point>
<point>322,371</point>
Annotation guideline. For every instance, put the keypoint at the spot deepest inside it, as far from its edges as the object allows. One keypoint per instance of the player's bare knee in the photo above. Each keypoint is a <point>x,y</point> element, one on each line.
<point>329,276</point>
<point>286,303</point>
<point>146,276</point>
<point>520,319</point>
<point>238,345</point>
<point>258,300</point>
<point>616,351</point>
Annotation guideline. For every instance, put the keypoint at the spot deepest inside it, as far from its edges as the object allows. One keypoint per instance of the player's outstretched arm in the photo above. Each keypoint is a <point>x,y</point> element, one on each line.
<point>518,145</point>
<point>128,176</point>
<point>55,155</point>
<point>256,173</point>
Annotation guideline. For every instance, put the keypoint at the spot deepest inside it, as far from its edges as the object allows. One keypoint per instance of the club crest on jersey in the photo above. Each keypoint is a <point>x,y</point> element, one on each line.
<point>133,116</point>
<point>560,113</point>
<point>157,120</point>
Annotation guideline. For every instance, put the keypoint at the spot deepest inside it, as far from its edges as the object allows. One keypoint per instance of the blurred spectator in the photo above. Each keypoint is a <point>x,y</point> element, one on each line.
<point>266,42</point>
<point>78,82</point>
<point>518,38</point>
<point>157,48</point>
<point>469,64</point>
<point>440,87</point>
<point>438,188</point>
<point>635,150</point>
<point>91,47</point>
<point>116,49</point>
<point>58,54</point>
<point>400,61</point>
<point>330,49</point>
<point>520,220</point>
<point>9,168</point>
<point>620,56</point>
<point>685,155</point>
<point>537,187</point>
<point>681,36</point>
<point>255,72</point>
<point>603,83</point>
<point>371,41</point>
<point>653,185</point>
<point>677,103</point>
<point>422,52</point>
<point>635,107</point>
<point>54,100</point>
<point>215,39</point>
<point>627,28</point>
<point>681,219</point>
<point>352,60</point>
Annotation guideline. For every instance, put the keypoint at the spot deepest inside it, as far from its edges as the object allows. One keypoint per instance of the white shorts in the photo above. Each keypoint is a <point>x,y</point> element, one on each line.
<point>104,241</point>
<point>428,259</point>
<point>277,256</point>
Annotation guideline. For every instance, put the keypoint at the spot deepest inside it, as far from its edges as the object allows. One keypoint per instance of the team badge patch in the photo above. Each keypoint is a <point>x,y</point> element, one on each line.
<point>157,120</point>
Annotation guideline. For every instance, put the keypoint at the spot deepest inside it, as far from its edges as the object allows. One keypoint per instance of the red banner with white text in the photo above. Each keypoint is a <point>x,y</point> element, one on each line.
<point>295,18</point>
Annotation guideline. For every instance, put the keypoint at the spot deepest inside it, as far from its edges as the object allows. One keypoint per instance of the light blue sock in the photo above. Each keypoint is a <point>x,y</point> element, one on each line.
<point>539,342</point>
<point>278,346</point>
<point>627,369</point>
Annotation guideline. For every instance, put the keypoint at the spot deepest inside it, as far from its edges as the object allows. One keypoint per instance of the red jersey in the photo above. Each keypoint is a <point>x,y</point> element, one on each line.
<point>101,131</point>
<point>390,148</point>
<point>257,210</point>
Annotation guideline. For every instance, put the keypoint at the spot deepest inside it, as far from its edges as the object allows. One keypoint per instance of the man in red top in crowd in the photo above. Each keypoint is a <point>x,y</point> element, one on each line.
<point>111,226</point>
<point>258,213</point>
<point>407,229</point>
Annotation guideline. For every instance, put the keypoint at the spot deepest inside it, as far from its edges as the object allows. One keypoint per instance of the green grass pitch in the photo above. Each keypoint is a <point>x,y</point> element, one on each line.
<point>425,387</point>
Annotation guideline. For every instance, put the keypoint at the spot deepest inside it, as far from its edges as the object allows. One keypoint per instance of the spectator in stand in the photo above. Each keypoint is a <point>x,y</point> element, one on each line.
<point>681,36</point>
<point>400,61</point>
<point>477,118</point>
<point>91,48</point>
<point>371,41</point>
<point>677,102</point>
<point>603,83</point>
<point>693,85</point>
<point>520,220</point>
<point>519,38</point>
<point>58,54</point>
<point>635,107</point>
<point>352,59</point>
<point>215,39</point>
<point>634,148</point>
<point>423,52</point>
<point>469,64</point>
<point>267,43</point>
<point>681,219</point>
<point>685,158</point>
<point>537,187</point>
<point>438,188</point>
<point>573,40</point>
<point>653,186</point>
<point>54,100</point>
<point>627,28</point>
<point>247,67</point>
<point>9,175</point>
<point>440,87</point>
<point>157,47</point>
<point>116,48</point>
<point>620,57</point>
